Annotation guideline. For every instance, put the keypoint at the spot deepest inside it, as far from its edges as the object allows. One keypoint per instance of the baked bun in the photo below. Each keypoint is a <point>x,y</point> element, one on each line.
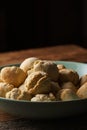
<point>4,88</point>
<point>68,75</point>
<point>27,64</point>
<point>13,75</point>
<point>48,67</point>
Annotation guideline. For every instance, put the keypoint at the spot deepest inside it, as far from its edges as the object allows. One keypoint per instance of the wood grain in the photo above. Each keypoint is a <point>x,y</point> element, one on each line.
<point>63,52</point>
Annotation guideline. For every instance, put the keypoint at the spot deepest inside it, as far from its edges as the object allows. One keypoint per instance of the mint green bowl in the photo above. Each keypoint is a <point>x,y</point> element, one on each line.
<point>48,110</point>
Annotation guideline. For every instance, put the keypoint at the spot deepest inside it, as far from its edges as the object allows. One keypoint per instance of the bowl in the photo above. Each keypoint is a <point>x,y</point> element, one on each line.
<point>47,110</point>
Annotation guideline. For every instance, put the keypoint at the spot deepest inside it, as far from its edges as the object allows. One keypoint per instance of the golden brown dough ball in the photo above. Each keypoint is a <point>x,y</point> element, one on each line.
<point>4,88</point>
<point>83,79</point>
<point>44,85</point>
<point>38,82</point>
<point>17,94</point>
<point>82,91</point>
<point>48,67</point>
<point>13,75</point>
<point>67,95</point>
<point>33,78</point>
<point>27,64</point>
<point>69,85</point>
<point>68,75</point>
<point>13,94</point>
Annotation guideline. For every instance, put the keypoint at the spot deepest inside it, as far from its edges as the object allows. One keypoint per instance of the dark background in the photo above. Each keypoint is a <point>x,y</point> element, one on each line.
<point>39,23</point>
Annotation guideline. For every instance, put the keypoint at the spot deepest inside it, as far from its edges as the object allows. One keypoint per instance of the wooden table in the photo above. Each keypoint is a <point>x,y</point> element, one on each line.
<point>70,52</point>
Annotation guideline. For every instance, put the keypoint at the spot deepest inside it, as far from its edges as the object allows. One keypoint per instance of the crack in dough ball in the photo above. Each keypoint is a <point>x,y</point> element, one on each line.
<point>33,78</point>
<point>39,82</point>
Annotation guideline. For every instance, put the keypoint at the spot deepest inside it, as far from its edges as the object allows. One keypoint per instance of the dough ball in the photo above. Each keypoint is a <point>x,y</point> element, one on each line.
<point>38,82</point>
<point>66,95</point>
<point>17,94</point>
<point>48,67</point>
<point>13,94</point>
<point>44,85</point>
<point>27,64</point>
<point>69,85</point>
<point>68,75</point>
<point>4,88</point>
<point>33,78</point>
<point>83,79</point>
<point>13,75</point>
<point>25,95</point>
<point>82,91</point>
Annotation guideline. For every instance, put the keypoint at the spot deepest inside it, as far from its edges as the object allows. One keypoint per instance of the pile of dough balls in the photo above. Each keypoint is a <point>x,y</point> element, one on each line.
<point>41,80</point>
